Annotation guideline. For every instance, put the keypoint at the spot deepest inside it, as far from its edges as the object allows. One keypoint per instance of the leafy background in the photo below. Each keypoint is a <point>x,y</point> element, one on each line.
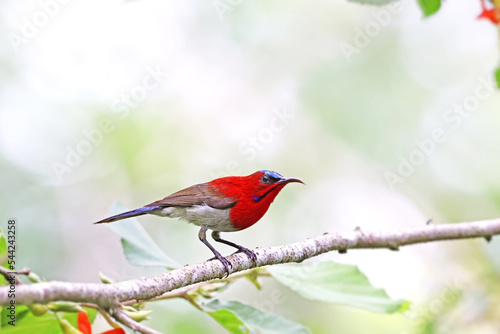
<point>230,74</point>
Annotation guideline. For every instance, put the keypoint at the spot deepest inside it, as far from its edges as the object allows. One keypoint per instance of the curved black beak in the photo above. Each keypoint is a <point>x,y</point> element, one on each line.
<point>286,180</point>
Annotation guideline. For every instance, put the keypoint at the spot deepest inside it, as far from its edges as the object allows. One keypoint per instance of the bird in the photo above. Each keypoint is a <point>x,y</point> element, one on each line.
<point>226,204</point>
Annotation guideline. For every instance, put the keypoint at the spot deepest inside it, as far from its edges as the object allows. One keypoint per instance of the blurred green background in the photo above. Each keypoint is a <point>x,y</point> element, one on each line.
<point>390,119</point>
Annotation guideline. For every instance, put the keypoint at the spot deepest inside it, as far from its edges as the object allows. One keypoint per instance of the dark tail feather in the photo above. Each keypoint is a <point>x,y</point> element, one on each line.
<point>128,214</point>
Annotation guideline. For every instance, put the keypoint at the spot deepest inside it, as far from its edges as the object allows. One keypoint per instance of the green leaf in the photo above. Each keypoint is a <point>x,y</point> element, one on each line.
<point>3,252</point>
<point>105,279</point>
<point>337,283</point>
<point>41,325</point>
<point>26,322</point>
<point>38,309</point>
<point>373,2</point>
<point>21,312</point>
<point>138,247</point>
<point>34,278</point>
<point>3,248</point>
<point>429,7</point>
<point>229,321</point>
<point>239,318</point>
<point>66,327</point>
<point>497,76</point>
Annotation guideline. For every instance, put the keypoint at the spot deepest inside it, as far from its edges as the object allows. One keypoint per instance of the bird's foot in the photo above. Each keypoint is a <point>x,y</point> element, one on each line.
<point>248,252</point>
<point>225,262</point>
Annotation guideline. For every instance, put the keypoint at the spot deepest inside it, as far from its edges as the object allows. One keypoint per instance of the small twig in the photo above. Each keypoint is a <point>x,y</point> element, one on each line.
<point>123,318</point>
<point>103,312</point>
<point>192,301</point>
<point>24,271</point>
<point>6,273</point>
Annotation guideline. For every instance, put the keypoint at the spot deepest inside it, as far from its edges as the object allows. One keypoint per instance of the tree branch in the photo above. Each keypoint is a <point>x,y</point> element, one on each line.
<point>108,296</point>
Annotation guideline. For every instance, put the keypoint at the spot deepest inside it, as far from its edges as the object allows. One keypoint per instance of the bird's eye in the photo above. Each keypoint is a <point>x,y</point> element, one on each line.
<point>268,179</point>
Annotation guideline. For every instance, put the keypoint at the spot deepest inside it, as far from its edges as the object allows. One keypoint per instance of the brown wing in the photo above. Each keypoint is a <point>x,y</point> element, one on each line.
<point>197,195</point>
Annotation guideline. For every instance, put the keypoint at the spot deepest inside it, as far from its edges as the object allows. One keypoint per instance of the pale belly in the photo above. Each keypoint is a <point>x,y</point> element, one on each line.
<point>215,219</point>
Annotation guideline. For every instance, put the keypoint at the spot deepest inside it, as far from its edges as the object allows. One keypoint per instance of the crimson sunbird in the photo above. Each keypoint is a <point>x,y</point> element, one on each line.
<point>227,204</point>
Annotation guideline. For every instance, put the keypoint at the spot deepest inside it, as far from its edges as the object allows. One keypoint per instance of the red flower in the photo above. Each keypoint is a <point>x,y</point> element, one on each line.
<point>492,14</point>
<point>85,327</point>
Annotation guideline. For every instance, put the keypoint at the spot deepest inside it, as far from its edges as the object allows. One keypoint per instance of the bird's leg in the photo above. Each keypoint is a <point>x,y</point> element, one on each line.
<point>249,252</point>
<point>203,238</point>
